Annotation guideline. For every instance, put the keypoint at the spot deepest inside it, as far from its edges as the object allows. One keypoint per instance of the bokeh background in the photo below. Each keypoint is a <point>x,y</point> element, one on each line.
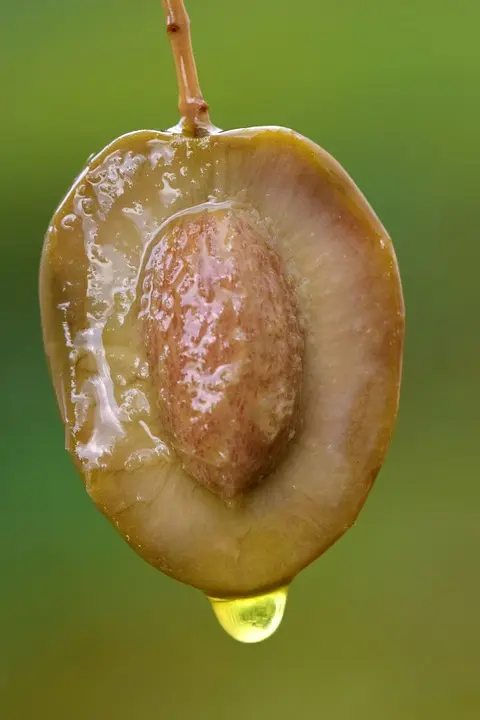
<point>386,625</point>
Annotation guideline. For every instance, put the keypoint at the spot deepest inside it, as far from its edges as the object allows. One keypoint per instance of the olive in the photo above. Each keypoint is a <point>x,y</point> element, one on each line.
<point>223,319</point>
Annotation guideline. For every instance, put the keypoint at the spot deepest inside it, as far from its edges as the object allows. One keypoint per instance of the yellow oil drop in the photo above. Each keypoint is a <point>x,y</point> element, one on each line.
<point>251,619</point>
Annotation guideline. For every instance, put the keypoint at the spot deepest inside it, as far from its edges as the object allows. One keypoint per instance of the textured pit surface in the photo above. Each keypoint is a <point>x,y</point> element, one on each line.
<point>224,347</point>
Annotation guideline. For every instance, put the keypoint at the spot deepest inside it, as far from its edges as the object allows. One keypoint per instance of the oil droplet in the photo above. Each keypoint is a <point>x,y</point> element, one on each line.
<point>251,619</point>
<point>68,222</point>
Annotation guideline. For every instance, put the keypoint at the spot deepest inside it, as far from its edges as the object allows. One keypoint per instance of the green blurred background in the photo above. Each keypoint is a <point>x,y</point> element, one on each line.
<point>386,625</point>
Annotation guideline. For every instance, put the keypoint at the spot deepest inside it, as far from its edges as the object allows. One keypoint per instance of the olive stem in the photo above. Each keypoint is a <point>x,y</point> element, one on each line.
<point>193,109</point>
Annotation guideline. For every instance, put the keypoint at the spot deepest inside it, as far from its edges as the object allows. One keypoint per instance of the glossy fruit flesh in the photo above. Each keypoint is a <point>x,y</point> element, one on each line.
<point>132,429</point>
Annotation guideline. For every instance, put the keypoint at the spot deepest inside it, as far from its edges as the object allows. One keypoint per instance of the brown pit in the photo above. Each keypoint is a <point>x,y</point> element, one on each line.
<point>225,347</point>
